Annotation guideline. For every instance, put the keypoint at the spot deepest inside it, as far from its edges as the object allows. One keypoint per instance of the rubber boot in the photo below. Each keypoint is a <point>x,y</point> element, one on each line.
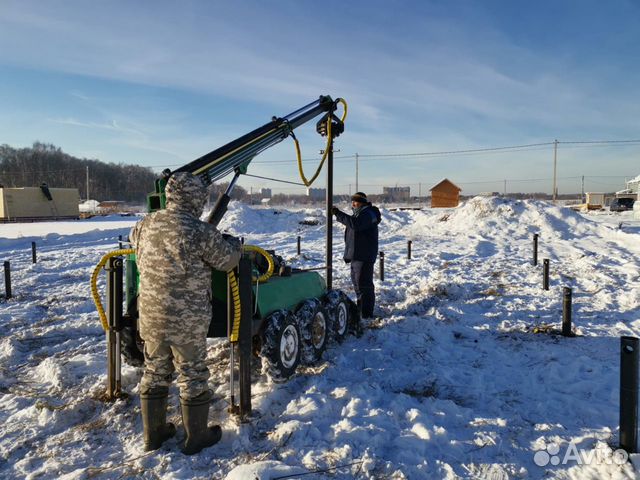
<point>153,406</point>
<point>195,413</point>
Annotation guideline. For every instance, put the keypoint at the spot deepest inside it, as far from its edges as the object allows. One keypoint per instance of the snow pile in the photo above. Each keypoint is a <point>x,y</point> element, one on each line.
<point>450,381</point>
<point>242,219</point>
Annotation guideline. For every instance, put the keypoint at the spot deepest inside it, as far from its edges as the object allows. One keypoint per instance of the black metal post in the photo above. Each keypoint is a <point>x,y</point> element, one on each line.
<point>299,245</point>
<point>33,252</point>
<point>114,320</point>
<point>535,249</point>
<point>545,274</point>
<point>382,266</point>
<point>629,393</point>
<point>244,337</point>
<point>566,311</point>
<point>242,240</point>
<point>329,253</point>
<point>120,242</point>
<point>409,242</point>
<point>7,279</point>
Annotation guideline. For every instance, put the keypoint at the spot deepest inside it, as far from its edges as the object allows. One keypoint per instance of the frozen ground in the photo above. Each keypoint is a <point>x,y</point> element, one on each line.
<point>449,382</point>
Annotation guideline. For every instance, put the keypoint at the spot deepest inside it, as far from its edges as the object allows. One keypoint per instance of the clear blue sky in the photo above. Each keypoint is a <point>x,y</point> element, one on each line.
<point>159,83</point>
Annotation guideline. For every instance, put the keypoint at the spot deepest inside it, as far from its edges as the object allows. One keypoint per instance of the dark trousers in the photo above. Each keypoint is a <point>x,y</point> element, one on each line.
<point>362,279</point>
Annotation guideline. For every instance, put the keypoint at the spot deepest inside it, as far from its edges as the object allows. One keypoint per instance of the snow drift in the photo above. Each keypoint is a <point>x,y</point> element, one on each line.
<point>448,382</point>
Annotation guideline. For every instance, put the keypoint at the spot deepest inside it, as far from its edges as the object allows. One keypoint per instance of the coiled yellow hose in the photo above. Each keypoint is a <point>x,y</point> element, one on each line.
<point>265,276</point>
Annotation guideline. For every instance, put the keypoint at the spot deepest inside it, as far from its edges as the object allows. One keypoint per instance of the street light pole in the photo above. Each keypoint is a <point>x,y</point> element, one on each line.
<point>555,169</point>
<point>357,190</point>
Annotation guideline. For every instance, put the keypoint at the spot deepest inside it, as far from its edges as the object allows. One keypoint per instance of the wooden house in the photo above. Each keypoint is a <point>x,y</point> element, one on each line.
<point>445,194</point>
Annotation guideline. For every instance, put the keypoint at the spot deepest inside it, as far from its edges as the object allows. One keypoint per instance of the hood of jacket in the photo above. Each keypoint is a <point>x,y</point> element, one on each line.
<point>186,192</point>
<point>375,210</point>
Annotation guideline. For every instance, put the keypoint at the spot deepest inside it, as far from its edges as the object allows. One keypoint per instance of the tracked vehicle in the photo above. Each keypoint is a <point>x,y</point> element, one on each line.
<point>286,315</point>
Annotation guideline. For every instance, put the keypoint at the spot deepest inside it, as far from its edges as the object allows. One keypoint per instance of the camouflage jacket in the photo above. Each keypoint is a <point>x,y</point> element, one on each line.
<point>175,254</point>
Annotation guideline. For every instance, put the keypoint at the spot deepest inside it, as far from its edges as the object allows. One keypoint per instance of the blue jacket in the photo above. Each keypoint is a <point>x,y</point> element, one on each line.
<point>361,234</point>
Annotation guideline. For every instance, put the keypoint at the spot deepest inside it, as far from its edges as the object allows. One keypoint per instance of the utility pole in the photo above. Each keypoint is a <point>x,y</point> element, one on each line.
<point>582,195</point>
<point>555,169</point>
<point>505,187</point>
<point>419,190</point>
<point>87,182</point>
<point>357,172</point>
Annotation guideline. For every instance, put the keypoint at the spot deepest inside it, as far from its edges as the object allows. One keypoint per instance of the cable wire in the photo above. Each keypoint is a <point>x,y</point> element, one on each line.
<point>275,179</point>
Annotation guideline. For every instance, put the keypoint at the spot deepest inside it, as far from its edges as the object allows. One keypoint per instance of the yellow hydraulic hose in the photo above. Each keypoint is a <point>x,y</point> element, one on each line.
<point>326,150</point>
<point>235,295</point>
<point>94,282</point>
<point>235,290</point>
<point>233,284</point>
<point>265,276</point>
<point>344,105</point>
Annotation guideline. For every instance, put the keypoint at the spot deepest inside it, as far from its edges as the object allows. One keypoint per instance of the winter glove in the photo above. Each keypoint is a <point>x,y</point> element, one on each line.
<point>335,210</point>
<point>233,241</point>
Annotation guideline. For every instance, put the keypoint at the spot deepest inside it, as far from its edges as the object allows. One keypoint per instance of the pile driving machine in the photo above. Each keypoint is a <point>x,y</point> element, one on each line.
<point>264,307</point>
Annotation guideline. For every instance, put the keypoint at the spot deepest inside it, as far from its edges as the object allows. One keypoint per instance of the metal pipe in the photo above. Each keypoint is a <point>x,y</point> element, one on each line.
<point>117,324</point>
<point>114,322</point>
<point>535,249</point>
<point>329,252</point>
<point>566,311</point>
<point>409,249</point>
<point>629,393</point>
<point>299,245</point>
<point>382,266</point>
<point>33,252</point>
<point>545,274</point>
<point>110,333</point>
<point>245,337</point>
<point>7,279</point>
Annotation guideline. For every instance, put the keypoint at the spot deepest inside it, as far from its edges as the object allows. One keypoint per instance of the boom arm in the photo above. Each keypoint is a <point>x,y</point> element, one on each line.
<point>235,156</point>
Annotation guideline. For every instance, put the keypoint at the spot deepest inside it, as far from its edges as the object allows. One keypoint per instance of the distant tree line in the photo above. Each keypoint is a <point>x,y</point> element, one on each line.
<point>46,163</point>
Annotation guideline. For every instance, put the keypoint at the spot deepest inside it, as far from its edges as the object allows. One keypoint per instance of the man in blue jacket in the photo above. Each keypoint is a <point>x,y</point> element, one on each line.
<point>361,248</point>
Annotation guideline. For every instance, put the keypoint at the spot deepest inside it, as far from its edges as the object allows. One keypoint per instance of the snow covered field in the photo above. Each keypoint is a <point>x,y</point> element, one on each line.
<point>449,382</point>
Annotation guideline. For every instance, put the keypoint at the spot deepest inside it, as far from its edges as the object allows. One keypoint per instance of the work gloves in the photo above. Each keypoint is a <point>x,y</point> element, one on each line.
<point>234,241</point>
<point>335,210</point>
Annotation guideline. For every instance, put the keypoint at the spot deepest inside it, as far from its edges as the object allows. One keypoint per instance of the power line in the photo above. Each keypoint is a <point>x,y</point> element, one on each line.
<point>455,152</point>
<point>275,179</point>
<point>600,142</point>
<point>524,147</point>
<point>508,148</point>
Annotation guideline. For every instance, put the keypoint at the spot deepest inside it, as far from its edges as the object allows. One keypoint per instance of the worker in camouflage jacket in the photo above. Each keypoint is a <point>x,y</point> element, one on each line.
<point>175,254</point>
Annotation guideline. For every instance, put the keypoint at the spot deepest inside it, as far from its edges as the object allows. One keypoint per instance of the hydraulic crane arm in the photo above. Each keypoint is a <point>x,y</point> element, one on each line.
<point>236,155</point>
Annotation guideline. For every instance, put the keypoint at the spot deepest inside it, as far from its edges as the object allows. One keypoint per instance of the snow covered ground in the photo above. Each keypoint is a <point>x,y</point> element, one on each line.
<point>449,382</point>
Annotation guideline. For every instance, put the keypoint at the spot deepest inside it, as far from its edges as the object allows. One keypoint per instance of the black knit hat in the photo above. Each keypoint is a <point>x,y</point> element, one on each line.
<point>359,197</point>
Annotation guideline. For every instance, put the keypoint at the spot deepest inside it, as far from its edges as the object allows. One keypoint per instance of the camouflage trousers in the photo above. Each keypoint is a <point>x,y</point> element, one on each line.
<point>162,358</point>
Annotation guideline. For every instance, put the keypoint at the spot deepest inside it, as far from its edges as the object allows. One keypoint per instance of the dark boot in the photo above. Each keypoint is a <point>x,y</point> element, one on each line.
<point>199,435</point>
<point>153,406</point>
